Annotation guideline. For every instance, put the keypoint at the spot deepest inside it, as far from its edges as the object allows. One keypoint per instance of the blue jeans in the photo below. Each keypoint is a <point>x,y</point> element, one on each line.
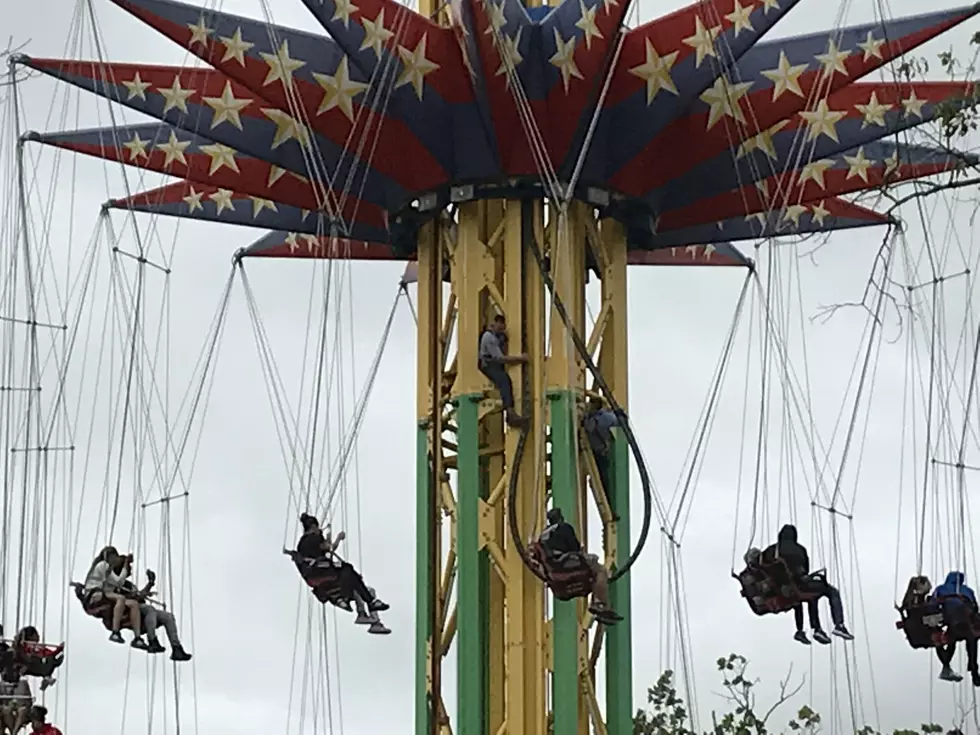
<point>501,380</point>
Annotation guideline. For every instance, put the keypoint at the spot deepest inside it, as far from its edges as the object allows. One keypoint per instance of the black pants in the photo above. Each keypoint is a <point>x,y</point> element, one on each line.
<point>816,585</point>
<point>603,463</point>
<point>352,582</point>
<point>501,380</point>
<point>946,653</point>
<point>813,608</point>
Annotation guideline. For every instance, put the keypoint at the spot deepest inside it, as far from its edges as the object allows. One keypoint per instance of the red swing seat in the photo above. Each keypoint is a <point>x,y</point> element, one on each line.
<point>770,589</point>
<point>925,625</point>
<point>323,578</point>
<point>569,577</point>
<point>98,606</point>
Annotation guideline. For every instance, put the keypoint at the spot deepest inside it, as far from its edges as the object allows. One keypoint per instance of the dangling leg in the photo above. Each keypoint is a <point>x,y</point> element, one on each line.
<point>800,634</point>
<point>600,592</point>
<point>813,608</point>
<point>360,591</point>
<point>118,608</point>
<point>945,655</point>
<point>169,623</point>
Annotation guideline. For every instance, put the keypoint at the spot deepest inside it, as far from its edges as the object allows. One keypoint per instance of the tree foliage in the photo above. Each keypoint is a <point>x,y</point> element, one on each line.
<point>667,713</point>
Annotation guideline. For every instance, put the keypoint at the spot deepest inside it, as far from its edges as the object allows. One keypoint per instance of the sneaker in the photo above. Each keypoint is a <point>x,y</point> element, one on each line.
<point>841,632</point>
<point>139,644</point>
<point>116,637</point>
<point>179,654</point>
<point>821,637</point>
<point>155,647</point>
<point>378,628</point>
<point>47,681</point>
<point>377,605</point>
<point>947,674</point>
<point>605,614</point>
<point>976,678</point>
<point>515,420</point>
<point>363,619</point>
<point>800,637</point>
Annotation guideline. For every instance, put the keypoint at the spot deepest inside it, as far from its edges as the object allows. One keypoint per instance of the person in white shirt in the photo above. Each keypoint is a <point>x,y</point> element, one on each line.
<point>104,581</point>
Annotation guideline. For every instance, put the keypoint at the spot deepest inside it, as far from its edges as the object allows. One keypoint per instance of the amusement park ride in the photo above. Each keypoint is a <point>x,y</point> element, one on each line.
<point>513,152</point>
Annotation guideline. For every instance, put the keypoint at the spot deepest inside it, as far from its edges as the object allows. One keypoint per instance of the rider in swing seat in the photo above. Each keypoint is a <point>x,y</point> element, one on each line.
<point>797,560</point>
<point>39,723</point>
<point>154,617</point>
<point>313,545</point>
<point>959,607</point>
<point>559,542</point>
<point>104,582</point>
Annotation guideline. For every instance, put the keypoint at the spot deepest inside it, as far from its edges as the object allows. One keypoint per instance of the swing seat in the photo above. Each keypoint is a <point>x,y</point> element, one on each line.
<point>40,659</point>
<point>97,606</point>
<point>569,576</point>
<point>323,578</point>
<point>923,625</point>
<point>769,588</point>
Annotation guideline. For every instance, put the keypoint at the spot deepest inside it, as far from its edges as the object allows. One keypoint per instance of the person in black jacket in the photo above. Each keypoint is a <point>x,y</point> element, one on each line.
<point>559,541</point>
<point>797,560</point>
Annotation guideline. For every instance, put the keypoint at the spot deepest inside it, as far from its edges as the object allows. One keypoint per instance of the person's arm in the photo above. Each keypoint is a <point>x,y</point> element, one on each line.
<point>336,541</point>
<point>491,352</point>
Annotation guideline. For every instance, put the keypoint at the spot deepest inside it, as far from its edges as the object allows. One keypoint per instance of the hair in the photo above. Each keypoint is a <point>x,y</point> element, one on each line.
<point>308,521</point>
<point>555,515</point>
<point>38,712</point>
<point>499,318</point>
<point>27,633</point>
<point>103,555</point>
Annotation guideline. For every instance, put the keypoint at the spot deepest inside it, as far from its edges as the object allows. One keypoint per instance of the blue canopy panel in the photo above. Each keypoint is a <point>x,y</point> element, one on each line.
<point>285,244</point>
<point>664,66</point>
<point>207,102</point>
<point>430,123</point>
<point>797,219</point>
<point>161,147</point>
<point>209,203</point>
<point>776,80</point>
<point>867,167</point>
<point>854,116</point>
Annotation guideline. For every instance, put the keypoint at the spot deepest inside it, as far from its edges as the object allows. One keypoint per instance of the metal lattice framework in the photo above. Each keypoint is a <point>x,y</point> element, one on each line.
<point>504,147</point>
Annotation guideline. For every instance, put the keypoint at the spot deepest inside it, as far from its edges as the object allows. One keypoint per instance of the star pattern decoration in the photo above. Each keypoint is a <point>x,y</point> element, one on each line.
<point>271,132</point>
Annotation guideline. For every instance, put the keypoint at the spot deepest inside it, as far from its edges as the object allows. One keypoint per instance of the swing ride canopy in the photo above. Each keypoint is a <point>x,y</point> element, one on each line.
<point>690,129</point>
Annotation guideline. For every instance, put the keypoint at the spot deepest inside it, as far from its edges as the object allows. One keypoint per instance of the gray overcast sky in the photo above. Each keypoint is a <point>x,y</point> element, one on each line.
<point>249,610</point>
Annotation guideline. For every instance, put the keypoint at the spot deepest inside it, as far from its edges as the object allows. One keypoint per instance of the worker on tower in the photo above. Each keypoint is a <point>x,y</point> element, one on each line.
<point>320,550</point>
<point>105,580</point>
<point>560,542</point>
<point>959,607</point>
<point>598,423</point>
<point>797,560</point>
<point>493,363</point>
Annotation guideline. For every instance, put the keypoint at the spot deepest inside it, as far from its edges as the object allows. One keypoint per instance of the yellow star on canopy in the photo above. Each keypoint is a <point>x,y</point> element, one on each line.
<point>415,67</point>
<point>792,214</point>
<point>872,47</point>
<point>703,40</point>
<point>819,213</point>
<point>258,204</point>
<point>655,71</point>
<point>587,23</point>
<point>785,77</point>
<point>136,87</point>
<point>564,59</point>
<point>339,90</point>
<point>199,33</point>
<point>175,96</point>
<point>227,108</point>
<point>193,200</point>
<point>173,150</point>
<point>222,200</point>
<point>287,128</point>
<point>833,60</point>
<point>375,33</point>
<point>221,157</point>
<point>823,121</point>
<point>235,47</point>
<point>814,171</point>
<point>723,98</point>
<point>858,165</point>
<point>913,105</point>
<point>136,147</point>
<point>281,66</point>
<point>874,111</point>
<point>741,18</point>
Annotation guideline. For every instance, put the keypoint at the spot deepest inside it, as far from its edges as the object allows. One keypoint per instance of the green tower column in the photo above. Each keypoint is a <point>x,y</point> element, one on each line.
<point>424,583</point>
<point>565,630</point>
<point>472,580</point>
<point>619,643</point>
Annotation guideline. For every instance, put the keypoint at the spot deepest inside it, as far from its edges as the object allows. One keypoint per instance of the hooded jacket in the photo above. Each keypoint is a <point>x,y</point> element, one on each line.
<point>790,551</point>
<point>950,591</point>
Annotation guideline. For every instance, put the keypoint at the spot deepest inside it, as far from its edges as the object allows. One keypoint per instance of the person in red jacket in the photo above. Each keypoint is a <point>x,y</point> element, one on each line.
<point>39,723</point>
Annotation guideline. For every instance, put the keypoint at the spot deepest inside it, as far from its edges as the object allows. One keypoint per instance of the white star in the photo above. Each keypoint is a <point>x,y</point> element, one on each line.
<point>655,71</point>
<point>510,55</point>
<point>173,150</point>
<point>136,147</point>
<point>136,87</point>
<point>823,121</point>
<point>193,200</point>
<point>833,60</point>
<point>175,96</point>
<point>235,47</point>
<point>564,59</point>
<point>874,112</point>
<point>415,67</point>
<point>344,9</point>
<point>741,18</point>
<point>872,47</point>
<point>858,165</point>
<point>221,157</point>
<point>913,106</point>
<point>275,173</point>
<point>258,204</point>
<point>785,77</point>
<point>222,200</point>
<point>199,33</point>
<point>227,108</point>
<point>496,20</point>
<point>292,242</point>
<point>587,23</point>
<point>287,128</point>
<point>281,66</point>
<point>703,40</point>
<point>814,171</point>
<point>792,214</point>
<point>375,33</point>
<point>724,99</point>
<point>819,212</point>
<point>339,90</point>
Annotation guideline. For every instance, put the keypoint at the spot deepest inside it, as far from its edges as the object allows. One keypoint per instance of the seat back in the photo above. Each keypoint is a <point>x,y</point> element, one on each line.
<point>923,625</point>
<point>322,578</point>
<point>778,592</point>
<point>568,576</point>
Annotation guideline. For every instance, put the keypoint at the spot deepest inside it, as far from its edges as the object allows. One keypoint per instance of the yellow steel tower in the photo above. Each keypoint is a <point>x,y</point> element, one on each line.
<point>521,669</point>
